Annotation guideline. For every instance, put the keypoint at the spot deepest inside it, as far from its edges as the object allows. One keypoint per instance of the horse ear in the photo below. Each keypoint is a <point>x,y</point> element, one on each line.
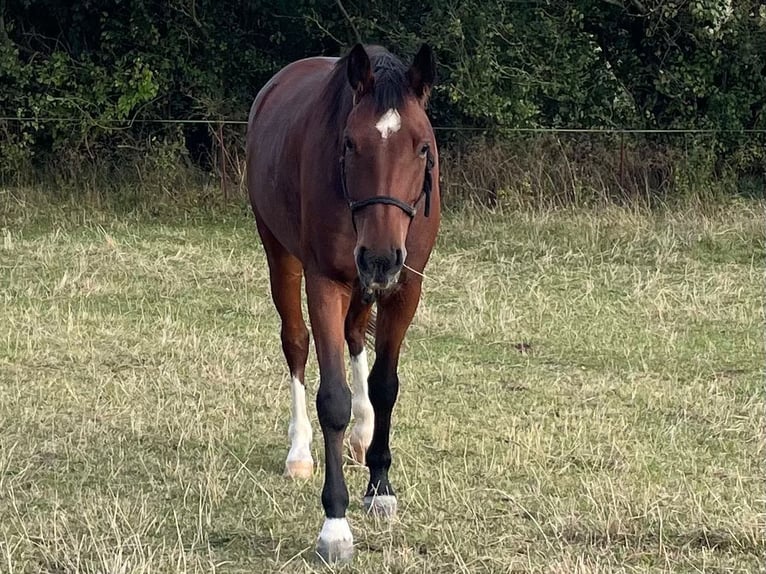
<point>422,73</point>
<point>359,72</point>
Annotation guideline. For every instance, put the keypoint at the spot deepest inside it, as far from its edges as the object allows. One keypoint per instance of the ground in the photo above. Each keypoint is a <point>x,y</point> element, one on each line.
<point>582,391</point>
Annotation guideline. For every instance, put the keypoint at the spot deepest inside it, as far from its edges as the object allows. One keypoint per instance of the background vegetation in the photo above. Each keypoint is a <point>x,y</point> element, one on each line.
<point>646,64</point>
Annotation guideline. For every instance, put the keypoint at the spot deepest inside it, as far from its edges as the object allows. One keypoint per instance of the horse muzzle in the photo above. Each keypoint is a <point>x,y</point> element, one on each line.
<point>379,270</point>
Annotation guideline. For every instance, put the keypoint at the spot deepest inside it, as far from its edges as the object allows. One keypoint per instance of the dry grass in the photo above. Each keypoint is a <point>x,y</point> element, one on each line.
<point>582,392</point>
<point>585,170</point>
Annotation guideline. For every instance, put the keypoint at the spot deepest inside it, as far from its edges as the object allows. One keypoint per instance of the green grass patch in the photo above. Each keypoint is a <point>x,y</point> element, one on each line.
<point>582,391</point>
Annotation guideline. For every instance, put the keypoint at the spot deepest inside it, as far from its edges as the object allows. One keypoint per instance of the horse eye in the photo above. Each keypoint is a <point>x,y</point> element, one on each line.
<point>348,144</point>
<point>424,149</point>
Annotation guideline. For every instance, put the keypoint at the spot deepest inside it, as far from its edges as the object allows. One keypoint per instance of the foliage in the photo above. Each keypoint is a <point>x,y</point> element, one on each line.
<point>587,63</point>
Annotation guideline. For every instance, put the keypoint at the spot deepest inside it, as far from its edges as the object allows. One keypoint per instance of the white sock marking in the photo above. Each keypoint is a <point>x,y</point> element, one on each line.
<point>364,416</point>
<point>335,529</point>
<point>389,123</point>
<point>300,428</point>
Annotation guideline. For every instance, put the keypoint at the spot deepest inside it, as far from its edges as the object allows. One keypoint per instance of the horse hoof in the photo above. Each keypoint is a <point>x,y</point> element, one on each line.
<point>337,552</point>
<point>358,452</point>
<point>383,505</point>
<point>299,469</point>
<point>335,544</point>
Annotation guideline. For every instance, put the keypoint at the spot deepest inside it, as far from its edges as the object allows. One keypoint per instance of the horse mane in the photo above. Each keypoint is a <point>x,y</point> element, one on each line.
<point>390,89</point>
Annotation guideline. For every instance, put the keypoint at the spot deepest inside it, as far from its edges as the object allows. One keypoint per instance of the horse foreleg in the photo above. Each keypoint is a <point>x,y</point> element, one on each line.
<point>395,312</point>
<point>328,303</point>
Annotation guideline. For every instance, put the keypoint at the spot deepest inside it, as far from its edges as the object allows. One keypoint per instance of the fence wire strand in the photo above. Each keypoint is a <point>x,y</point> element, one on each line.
<point>227,121</point>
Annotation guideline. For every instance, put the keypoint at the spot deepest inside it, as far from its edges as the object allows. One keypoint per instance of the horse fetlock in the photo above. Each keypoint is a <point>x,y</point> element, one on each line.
<point>361,436</point>
<point>299,463</point>
<point>358,445</point>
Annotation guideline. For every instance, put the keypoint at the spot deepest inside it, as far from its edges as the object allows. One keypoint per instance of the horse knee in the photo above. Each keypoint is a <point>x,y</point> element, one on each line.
<point>333,405</point>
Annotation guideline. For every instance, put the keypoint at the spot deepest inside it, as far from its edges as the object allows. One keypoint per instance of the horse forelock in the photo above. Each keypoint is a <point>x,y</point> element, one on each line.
<point>391,85</point>
<point>389,90</point>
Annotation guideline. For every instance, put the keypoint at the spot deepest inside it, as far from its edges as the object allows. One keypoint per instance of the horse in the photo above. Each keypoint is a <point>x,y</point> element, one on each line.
<point>343,180</point>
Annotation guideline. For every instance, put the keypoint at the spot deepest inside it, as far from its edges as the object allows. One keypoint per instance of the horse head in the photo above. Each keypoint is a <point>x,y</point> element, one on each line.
<point>386,160</point>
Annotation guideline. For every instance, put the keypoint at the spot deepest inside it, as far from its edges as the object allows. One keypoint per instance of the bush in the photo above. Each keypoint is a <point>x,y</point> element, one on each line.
<point>90,69</point>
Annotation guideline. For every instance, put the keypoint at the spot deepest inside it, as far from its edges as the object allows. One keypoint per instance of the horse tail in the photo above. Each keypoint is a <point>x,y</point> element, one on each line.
<point>371,323</point>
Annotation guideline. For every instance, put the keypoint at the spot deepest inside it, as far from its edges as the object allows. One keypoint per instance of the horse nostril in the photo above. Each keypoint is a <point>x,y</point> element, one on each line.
<point>379,268</point>
<point>361,260</point>
<point>399,258</point>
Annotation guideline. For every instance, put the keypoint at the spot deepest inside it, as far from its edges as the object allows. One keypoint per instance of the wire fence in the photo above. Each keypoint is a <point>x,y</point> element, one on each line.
<point>512,129</point>
<point>629,158</point>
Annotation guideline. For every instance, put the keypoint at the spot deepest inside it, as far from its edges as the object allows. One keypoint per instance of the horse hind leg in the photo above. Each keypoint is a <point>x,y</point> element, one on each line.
<point>285,275</point>
<point>356,327</point>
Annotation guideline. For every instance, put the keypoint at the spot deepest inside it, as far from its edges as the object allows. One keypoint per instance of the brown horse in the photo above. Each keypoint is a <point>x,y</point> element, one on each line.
<point>343,172</point>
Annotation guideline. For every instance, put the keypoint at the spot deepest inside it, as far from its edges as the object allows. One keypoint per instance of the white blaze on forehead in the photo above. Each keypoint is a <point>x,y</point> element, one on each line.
<point>389,123</point>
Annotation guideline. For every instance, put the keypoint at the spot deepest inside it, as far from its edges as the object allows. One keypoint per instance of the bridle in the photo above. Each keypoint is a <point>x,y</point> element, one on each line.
<point>410,210</point>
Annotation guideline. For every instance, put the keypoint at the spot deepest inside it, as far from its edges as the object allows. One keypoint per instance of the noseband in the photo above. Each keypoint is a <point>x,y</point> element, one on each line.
<point>410,210</point>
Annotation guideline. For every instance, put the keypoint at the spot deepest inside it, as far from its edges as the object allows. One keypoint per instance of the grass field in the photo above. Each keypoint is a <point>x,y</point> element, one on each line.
<point>582,391</point>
